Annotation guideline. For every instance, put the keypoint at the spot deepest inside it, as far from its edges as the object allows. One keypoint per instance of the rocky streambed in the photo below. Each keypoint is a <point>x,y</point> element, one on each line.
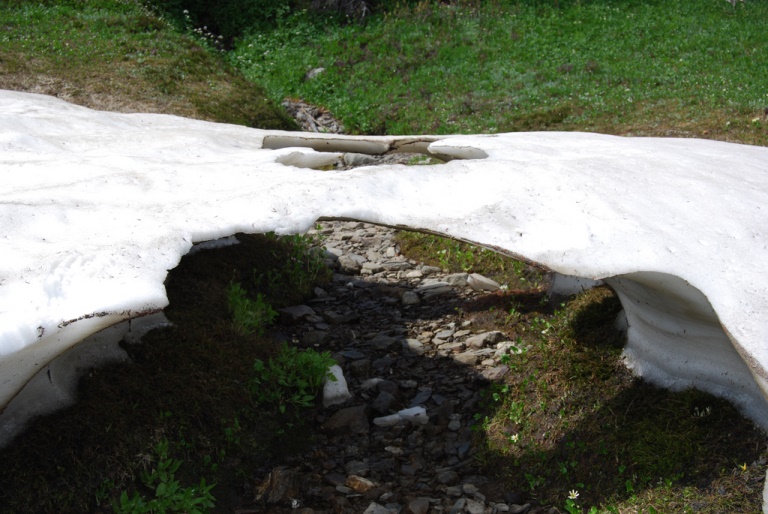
<point>399,330</point>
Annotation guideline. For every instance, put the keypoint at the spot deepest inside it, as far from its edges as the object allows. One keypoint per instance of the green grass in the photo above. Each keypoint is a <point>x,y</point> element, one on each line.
<point>662,68</point>
<point>459,256</point>
<point>119,56</point>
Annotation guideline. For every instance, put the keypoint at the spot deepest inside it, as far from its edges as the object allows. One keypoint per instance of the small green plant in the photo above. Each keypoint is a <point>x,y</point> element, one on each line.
<point>301,267</point>
<point>249,316</point>
<point>572,506</point>
<point>534,481</point>
<point>305,264</point>
<point>169,495</point>
<point>570,503</point>
<point>232,433</point>
<point>104,491</point>
<point>291,378</point>
<point>457,255</point>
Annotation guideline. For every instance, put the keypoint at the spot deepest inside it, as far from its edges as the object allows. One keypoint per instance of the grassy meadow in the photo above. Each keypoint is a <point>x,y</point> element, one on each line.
<point>673,68</point>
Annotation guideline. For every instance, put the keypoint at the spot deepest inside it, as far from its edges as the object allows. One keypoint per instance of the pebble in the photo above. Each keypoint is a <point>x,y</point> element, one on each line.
<point>457,279</point>
<point>359,484</point>
<point>418,506</point>
<point>296,313</point>
<point>352,419</point>
<point>375,508</point>
<point>448,477</point>
<point>474,507</point>
<point>410,298</point>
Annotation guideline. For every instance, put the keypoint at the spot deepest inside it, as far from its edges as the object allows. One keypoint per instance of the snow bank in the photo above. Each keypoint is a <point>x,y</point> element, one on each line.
<point>96,207</point>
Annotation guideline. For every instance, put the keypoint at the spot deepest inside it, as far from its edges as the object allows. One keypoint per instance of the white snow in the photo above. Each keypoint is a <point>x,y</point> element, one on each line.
<point>96,207</point>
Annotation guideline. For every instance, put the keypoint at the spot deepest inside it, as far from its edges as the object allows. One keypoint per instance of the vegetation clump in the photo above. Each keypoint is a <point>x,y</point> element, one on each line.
<point>170,497</point>
<point>291,378</point>
<point>249,316</point>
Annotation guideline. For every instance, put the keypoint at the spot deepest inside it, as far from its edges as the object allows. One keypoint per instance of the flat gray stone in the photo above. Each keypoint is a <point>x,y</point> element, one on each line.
<point>484,339</point>
<point>410,298</point>
<point>385,403</point>
<point>448,477</point>
<point>334,318</point>
<point>375,508</point>
<point>457,279</point>
<point>469,358</point>
<point>474,506</point>
<point>481,283</point>
<point>355,159</point>
<point>421,398</point>
<point>396,265</point>
<point>495,373</point>
<point>415,346</point>
<point>353,354</point>
<point>356,467</point>
<point>373,267</point>
<point>333,252</point>
<point>350,420</point>
<point>296,312</point>
<point>458,507</point>
<point>349,264</point>
<point>436,291</point>
<point>417,506</point>
<point>382,342</point>
<point>315,337</point>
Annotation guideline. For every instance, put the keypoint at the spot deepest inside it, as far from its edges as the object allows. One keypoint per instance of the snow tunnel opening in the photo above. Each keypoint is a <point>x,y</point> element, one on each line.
<point>422,351</point>
<point>675,340</point>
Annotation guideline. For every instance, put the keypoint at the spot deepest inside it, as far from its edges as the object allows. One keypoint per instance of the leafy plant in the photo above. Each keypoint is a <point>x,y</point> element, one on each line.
<point>291,378</point>
<point>301,267</point>
<point>249,316</point>
<point>169,497</point>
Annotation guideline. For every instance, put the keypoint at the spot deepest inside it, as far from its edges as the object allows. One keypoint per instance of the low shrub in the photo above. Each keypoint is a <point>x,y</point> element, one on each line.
<point>291,378</point>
